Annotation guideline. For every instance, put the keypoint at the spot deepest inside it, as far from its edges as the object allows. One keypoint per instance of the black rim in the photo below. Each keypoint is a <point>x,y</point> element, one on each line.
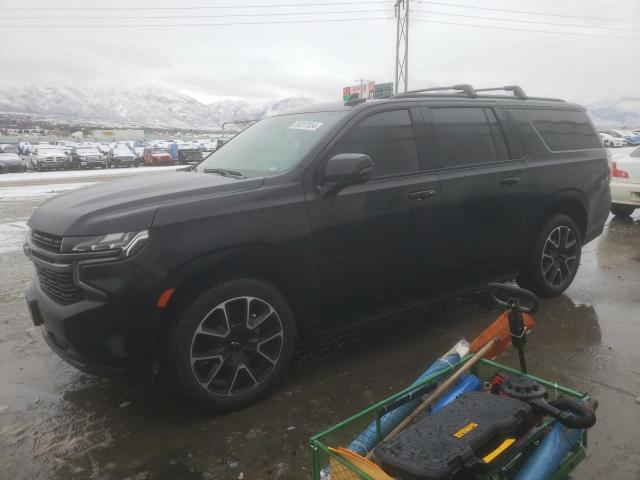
<point>236,346</point>
<point>559,256</point>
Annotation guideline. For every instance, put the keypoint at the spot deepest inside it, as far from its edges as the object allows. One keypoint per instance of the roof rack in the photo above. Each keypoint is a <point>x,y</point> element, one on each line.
<point>469,91</point>
<point>517,90</point>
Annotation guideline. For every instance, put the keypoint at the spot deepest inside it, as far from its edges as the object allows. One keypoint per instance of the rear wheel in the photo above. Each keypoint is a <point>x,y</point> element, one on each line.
<point>553,261</point>
<point>622,210</point>
<point>232,345</point>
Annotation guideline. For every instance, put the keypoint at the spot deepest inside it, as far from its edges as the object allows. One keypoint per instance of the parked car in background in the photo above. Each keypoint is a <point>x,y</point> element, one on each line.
<point>47,157</point>
<point>121,156</point>
<point>610,141</point>
<point>87,157</point>
<point>308,221</point>
<point>10,160</point>
<point>189,155</point>
<point>157,156</point>
<point>625,183</point>
<point>632,137</point>
<point>619,134</point>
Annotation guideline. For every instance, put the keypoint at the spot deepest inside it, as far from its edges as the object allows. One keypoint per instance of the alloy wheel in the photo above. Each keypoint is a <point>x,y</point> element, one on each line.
<point>236,346</point>
<point>559,255</point>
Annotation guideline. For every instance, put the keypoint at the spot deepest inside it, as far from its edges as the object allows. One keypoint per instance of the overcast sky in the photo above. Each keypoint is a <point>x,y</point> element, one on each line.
<point>315,58</point>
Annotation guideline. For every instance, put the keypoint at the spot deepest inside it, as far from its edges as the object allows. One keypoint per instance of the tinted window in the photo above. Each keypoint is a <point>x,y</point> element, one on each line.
<point>564,129</point>
<point>501,145</point>
<point>463,136</point>
<point>388,138</point>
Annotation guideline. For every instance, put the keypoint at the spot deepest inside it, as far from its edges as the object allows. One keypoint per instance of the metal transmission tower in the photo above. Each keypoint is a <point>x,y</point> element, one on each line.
<point>402,44</point>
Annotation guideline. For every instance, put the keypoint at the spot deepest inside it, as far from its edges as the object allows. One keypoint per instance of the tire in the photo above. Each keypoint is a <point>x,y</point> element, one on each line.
<point>242,363</point>
<point>622,210</point>
<point>553,261</point>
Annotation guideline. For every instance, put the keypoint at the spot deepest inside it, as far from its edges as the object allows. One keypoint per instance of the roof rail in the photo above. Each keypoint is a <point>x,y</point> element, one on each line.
<point>465,89</point>
<point>517,90</point>
<point>469,91</point>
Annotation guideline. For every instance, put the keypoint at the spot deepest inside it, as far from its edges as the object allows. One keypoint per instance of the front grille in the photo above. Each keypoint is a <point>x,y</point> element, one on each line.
<point>59,285</point>
<point>46,241</point>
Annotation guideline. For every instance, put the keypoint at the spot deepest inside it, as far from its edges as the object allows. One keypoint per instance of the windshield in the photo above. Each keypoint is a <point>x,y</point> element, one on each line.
<point>45,150</point>
<point>87,151</point>
<point>272,145</point>
<point>158,151</point>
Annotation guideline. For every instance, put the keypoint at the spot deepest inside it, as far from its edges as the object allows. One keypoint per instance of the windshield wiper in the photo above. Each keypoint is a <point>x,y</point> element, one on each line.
<point>224,172</point>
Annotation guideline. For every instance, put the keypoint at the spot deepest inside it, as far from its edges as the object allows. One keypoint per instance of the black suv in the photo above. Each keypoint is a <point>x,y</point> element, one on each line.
<point>309,221</point>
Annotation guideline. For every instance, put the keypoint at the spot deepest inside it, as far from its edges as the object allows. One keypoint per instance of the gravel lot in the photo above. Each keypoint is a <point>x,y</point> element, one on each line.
<point>58,423</point>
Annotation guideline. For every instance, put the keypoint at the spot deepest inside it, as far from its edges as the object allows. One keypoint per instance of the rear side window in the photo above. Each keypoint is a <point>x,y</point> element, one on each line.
<point>464,136</point>
<point>389,140</point>
<point>564,130</point>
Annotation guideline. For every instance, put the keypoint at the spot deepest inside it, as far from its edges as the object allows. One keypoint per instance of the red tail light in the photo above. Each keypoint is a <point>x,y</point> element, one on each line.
<point>617,172</point>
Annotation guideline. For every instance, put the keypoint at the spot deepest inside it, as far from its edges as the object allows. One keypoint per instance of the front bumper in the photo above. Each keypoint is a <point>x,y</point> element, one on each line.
<point>11,167</point>
<point>107,332</point>
<point>625,193</point>
<point>52,163</point>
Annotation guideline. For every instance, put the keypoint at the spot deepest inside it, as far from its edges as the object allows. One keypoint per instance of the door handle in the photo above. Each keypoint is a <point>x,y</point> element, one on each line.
<point>421,195</point>
<point>509,181</point>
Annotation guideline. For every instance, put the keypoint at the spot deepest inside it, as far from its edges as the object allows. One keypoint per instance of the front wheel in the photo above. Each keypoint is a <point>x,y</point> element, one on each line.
<point>232,345</point>
<point>622,210</point>
<point>553,261</point>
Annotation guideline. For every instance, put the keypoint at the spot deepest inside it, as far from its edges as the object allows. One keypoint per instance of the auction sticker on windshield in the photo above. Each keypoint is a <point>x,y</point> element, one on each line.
<point>306,125</point>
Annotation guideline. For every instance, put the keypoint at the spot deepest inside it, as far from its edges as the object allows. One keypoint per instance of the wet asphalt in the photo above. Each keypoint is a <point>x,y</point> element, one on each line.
<point>57,423</point>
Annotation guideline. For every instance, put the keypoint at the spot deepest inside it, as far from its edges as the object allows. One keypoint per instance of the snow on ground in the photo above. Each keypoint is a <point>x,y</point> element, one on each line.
<point>40,177</point>
<point>12,235</point>
<point>622,151</point>
<point>38,191</point>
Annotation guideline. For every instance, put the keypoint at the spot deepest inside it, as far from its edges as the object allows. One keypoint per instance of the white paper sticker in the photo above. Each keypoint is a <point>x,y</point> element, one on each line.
<point>306,125</point>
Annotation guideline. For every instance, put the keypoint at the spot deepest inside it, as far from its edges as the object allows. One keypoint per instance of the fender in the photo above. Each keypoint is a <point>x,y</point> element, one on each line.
<point>291,273</point>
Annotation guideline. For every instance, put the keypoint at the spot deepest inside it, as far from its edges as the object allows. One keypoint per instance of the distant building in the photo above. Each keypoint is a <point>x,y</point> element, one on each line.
<point>117,135</point>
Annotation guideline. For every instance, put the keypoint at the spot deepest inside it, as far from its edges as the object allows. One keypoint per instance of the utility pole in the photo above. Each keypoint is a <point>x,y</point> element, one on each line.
<point>361,80</point>
<point>402,45</point>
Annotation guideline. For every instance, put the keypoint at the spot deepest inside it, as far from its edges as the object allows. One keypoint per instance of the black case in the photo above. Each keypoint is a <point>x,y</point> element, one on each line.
<point>450,443</point>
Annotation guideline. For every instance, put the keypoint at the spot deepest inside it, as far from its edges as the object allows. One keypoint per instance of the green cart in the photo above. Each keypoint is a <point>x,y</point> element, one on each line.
<point>326,464</point>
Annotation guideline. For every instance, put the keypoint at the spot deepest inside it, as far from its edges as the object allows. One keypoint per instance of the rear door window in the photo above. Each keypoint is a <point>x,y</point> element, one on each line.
<point>388,138</point>
<point>564,130</point>
<point>500,143</point>
<point>463,136</point>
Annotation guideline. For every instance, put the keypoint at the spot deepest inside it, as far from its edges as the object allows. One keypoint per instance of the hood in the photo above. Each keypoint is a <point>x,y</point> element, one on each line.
<point>51,155</point>
<point>130,204</point>
<point>10,158</point>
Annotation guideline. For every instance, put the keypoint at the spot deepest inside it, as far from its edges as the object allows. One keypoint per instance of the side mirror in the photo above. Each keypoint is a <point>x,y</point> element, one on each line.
<point>346,169</point>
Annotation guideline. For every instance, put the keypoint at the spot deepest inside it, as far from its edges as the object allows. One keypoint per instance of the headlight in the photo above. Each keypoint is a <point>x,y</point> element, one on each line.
<point>128,243</point>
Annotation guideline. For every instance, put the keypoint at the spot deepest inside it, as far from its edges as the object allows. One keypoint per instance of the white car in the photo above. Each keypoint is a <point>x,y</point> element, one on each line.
<point>609,140</point>
<point>625,183</point>
<point>47,157</point>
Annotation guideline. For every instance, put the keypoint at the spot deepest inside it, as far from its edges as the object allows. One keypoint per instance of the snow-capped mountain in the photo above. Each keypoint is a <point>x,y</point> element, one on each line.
<point>141,106</point>
<point>621,111</point>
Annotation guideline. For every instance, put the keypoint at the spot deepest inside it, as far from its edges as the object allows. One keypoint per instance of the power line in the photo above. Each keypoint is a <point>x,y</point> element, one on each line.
<point>136,25</point>
<point>457,5</point>
<point>528,21</point>
<point>193,7</point>
<point>173,17</point>
<point>495,27</point>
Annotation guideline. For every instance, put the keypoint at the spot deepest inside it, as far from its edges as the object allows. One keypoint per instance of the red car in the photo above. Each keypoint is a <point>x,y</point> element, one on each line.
<point>157,156</point>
